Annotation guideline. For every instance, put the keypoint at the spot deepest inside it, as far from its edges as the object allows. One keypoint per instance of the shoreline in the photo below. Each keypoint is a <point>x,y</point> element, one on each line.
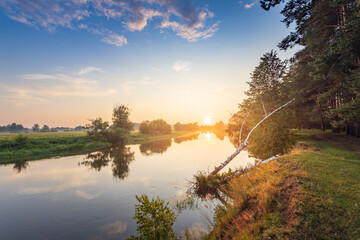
<point>58,144</point>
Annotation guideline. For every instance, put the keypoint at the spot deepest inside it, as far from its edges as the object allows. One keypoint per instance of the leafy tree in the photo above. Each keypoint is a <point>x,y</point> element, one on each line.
<point>121,119</point>
<point>45,128</point>
<point>117,133</point>
<point>98,129</point>
<point>154,219</point>
<point>36,127</point>
<point>267,91</point>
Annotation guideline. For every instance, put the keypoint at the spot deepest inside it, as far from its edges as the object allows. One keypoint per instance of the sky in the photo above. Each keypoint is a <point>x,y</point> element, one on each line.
<point>63,63</point>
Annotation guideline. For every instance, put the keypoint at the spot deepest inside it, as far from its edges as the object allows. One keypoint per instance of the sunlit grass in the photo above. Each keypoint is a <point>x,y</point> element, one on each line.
<point>311,193</point>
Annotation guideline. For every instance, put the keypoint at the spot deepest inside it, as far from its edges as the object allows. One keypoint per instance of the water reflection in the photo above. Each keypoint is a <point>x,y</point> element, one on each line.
<point>67,200</point>
<point>120,158</point>
<point>159,146</point>
<point>20,166</point>
<point>190,137</point>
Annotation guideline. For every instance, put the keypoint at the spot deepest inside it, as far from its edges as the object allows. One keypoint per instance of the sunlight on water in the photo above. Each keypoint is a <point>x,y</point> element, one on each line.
<point>92,196</point>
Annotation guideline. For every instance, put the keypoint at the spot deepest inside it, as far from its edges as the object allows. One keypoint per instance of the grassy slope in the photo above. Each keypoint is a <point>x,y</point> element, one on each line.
<point>311,193</point>
<point>42,145</point>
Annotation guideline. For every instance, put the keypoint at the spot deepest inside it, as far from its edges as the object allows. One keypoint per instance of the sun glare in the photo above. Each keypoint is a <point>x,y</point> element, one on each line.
<point>207,120</point>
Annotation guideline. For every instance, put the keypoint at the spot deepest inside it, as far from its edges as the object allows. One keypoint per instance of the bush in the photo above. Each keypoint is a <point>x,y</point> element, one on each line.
<point>21,140</point>
<point>154,219</point>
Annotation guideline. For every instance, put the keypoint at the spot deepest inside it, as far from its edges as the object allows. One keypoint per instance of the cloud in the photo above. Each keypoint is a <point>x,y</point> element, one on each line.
<point>111,230</point>
<point>115,39</point>
<point>89,70</point>
<point>85,195</point>
<point>39,88</point>
<point>182,66</point>
<point>128,87</point>
<point>247,6</point>
<point>187,20</point>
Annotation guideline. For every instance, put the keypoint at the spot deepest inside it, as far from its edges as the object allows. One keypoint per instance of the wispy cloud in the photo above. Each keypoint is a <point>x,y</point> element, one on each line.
<point>128,87</point>
<point>187,20</point>
<point>182,66</point>
<point>40,88</point>
<point>89,70</point>
<point>115,39</point>
<point>111,230</point>
<point>250,5</point>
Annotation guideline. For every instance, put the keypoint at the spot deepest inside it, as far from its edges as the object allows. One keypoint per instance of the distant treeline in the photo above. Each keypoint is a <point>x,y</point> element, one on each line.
<point>19,128</point>
<point>186,127</point>
<point>155,127</point>
<point>159,126</point>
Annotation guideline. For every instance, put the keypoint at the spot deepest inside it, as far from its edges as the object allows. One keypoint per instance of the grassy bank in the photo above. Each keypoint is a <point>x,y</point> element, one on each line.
<point>311,193</point>
<point>43,145</point>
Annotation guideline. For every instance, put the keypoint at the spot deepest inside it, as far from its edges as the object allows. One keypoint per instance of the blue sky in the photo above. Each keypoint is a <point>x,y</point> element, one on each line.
<point>65,62</point>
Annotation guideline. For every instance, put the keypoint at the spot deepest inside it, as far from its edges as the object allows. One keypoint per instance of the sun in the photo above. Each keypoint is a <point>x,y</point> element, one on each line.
<point>207,120</point>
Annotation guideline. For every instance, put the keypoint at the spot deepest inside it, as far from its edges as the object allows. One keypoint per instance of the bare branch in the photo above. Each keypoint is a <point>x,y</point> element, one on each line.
<point>263,107</point>
<point>242,125</point>
<point>248,136</point>
<point>242,146</point>
<point>242,171</point>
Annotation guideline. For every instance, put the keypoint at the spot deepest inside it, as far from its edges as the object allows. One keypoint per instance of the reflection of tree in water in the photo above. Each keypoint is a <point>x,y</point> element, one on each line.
<point>187,138</point>
<point>20,166</point>
<point>119,156</point>
<point>159,146</point>
<point>220,134</point>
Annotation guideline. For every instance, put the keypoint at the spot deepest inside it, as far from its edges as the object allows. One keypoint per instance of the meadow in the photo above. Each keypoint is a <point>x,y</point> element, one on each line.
<point>33,146</point>
<point>310,193</point>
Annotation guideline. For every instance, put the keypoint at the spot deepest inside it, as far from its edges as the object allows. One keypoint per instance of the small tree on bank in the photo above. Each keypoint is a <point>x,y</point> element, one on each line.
<point>117,133</point>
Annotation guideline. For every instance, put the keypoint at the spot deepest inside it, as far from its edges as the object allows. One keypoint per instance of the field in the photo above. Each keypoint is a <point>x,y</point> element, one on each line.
<point>32,146</point>
<point>310,193</point>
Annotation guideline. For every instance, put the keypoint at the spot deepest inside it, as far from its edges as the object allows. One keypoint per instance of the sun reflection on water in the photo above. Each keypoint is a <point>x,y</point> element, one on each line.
<point>208,136</point>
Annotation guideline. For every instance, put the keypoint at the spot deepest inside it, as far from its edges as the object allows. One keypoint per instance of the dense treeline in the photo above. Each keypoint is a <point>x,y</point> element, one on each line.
<point>19,128</point>
<point>155,127</point>
<point>13,128</point>
<point>323,77</point>
<point>186,127</point>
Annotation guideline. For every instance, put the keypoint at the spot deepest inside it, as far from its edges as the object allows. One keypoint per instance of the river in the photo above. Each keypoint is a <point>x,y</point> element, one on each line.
<point>92,196</point>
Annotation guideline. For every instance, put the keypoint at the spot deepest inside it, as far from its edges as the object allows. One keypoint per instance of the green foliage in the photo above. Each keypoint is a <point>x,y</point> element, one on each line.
<point>154,219</point>
<point>21,140</point>
<point>155,127</point>
<point>325,75</point>
<point>271,138</point>
<point>121,119</point>
<point>268,91</point>
<point>100,130</point>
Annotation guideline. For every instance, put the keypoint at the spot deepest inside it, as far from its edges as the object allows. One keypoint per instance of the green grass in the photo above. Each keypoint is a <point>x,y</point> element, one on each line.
<point>311,193</point>
<point>44,145</point>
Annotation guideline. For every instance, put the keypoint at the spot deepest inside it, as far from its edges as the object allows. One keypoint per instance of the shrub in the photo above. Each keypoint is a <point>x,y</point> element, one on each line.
<point>154,219</point>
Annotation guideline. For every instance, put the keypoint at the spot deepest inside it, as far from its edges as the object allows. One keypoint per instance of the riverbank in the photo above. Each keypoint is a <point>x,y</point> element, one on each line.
<point>310,193</point>
<point>43,145</point>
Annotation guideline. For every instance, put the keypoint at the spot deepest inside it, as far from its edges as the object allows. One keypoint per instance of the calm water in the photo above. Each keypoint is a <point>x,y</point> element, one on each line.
<point>92,196</point>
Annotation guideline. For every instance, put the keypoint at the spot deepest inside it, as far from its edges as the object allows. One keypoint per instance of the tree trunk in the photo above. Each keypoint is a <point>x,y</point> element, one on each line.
<point>358,130</point>
<point>243,145</point>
